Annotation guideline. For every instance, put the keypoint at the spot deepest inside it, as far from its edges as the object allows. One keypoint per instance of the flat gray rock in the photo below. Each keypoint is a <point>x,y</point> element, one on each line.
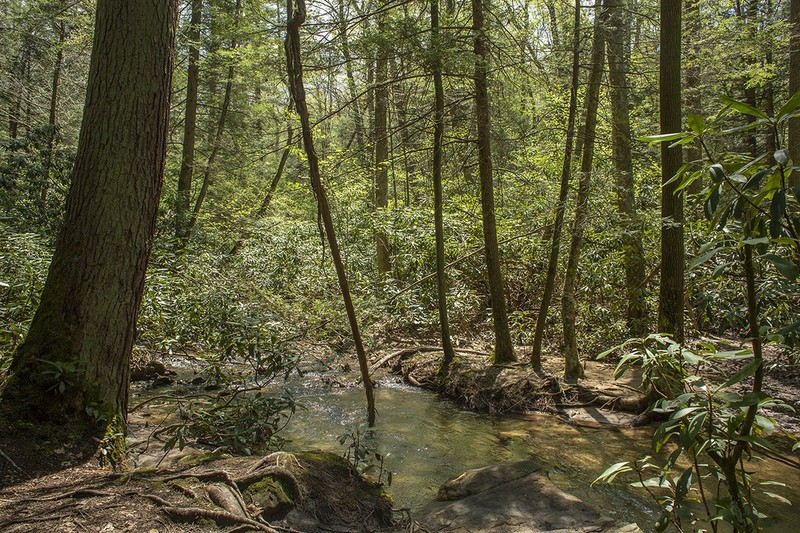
<point>512,498</point>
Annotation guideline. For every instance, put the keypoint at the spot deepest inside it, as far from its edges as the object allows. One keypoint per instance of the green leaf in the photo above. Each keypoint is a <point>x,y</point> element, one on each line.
<point>766,424</point>
<point>613,471</point>
<point>755,180</point>
<point>784,266</point>
<point>743,108</point>
<point>656,482</point>
<point>696,123</point>
<point>683,412</point>
<point>753,398</point>
<point>778,497</point>
<point>716,172</point>
<point>664,137</point>
<point>697,261</point>
<point>711,203</point>
<point>746,371</point>
<point>682,487</point>
<point>789,107</point>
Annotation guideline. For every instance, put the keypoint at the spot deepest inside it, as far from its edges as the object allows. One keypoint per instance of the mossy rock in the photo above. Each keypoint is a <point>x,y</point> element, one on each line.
<point>337,496</point>
<point>275,496</point>
<point>199,458</point>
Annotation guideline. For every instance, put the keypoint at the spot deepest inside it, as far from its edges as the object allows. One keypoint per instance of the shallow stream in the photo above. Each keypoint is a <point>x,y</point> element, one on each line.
<point>428,440</point>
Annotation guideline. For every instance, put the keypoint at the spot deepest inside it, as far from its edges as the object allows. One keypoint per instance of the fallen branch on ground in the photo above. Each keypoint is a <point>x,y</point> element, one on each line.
<point>407,352</point>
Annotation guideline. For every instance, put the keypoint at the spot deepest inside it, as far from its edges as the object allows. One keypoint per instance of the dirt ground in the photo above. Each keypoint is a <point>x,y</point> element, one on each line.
<point>309,492</point>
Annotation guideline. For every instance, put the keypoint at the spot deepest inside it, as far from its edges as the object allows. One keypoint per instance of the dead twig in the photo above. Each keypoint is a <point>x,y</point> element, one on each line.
<point>7,458</point>
<point>408,352</point>
<point>78,493</point>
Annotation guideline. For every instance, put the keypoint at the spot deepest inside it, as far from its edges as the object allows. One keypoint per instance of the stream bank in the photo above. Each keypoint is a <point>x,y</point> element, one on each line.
<point>428,440</point>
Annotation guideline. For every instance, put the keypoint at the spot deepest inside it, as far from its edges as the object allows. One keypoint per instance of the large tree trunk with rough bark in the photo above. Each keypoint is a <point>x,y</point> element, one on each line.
<point>631,227</point>
<point>76,354</point>
<point>504,348</point>
<point>572,365</point>
<point>670,298</point>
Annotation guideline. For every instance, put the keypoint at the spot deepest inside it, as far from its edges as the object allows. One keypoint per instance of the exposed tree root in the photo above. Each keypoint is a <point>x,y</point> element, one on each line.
<point>221,518</point>
<point>277,457</point>
<point>272,471</point>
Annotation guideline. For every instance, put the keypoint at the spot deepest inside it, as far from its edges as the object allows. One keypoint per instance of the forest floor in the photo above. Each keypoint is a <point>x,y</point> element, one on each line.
<point>49,482</point>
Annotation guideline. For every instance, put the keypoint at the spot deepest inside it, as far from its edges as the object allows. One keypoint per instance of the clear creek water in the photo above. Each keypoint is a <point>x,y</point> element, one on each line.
<point>430,440</point>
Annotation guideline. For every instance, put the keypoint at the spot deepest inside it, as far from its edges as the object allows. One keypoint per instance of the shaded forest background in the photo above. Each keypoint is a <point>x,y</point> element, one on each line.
<point>238,259</point>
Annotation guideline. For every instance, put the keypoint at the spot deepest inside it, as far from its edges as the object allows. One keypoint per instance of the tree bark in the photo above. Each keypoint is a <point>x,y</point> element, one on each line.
<point>631,229</point>
<point>351,83</point>
<point>794,86</point>
<point>84,327</point>
<point>566,172</point>
<point>572,364</point>
<point>438,215</point>
<point>189,125</point>
<point>52,122</point>
<point>381,135</point>
<point>670,297</point>
<point>693,93</point>
<point>504,348</point>
<point>295,74</point>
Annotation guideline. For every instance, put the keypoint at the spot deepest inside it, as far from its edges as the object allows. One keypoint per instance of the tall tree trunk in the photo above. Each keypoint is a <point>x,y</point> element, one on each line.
<point>670,296</point>
<point>794,86</point>
<point>693,93</point>
<point>749,18</point>
<point>566,172</point>
<point>351,81</point>
<point>438,215</point>
<point>381,134</point>
<point>553,20</point>
<point>19,68</point>
<point>53,118</point>
<point>504,348</point>
<point>572,364</point>
<point>217,142</point>
<point>295,74</point>
<point>184,192</point>
<point>631,230</point>
<point>84,328</point>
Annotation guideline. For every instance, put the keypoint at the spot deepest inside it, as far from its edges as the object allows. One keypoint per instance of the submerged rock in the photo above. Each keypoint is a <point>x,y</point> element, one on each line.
<point>513,497</point>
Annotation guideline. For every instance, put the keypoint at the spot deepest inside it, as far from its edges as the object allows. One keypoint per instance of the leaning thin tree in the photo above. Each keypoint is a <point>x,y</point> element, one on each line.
<point>77,351</point>
<point>295,72</point>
